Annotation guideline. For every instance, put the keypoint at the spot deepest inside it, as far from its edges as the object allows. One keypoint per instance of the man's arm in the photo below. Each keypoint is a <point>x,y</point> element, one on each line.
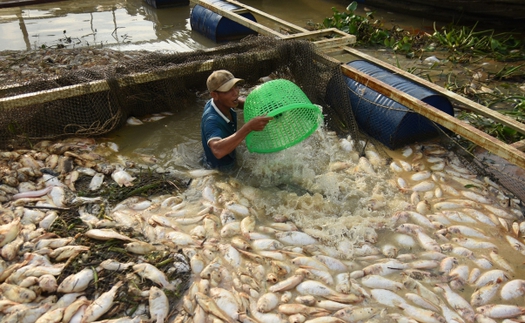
<point>222,147</point>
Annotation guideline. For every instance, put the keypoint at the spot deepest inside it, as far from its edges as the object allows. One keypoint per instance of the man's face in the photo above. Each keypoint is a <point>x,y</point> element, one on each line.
<point>228,99</point>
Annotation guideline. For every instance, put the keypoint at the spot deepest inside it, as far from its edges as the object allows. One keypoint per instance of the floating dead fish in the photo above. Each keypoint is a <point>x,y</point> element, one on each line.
<point>106,234</point>
<point>122,178</point>
<point>132,121</point>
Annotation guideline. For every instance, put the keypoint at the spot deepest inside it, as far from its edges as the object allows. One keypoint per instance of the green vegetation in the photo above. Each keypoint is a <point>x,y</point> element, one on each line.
<point>460,45</point>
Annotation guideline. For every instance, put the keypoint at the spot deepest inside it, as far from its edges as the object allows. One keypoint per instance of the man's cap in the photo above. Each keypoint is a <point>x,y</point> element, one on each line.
<point>221,81</point>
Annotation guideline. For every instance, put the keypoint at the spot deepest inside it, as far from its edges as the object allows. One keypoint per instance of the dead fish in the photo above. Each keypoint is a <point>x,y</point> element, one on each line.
<point>228,301</point>
<point>52,316</point>
<point>513,289</point>
<point>387,297</point>
<point>158,305</point>
<point>96,182</point>
<point>73,308</point>
<point>113,265</point>
<point>294,308</point>
<point>152,273</point>
<point>9,232</point>
<point>101,305</point>
<point>32,194</point>
<point>17,294</point>
<point>66,252</point>
<point>106,234</point>
<point>377,281</point>
<point>457,302</point>
<point>237,208</point>
<point>312,287</point>
<point>122,178</point>
<point>132,121</point>
<point>267,302</point>
<point>77,282</point>
<point>139,247</point>
<point>211,307</point>
<point>352,314</point>
<point>501,311</point>
<point>484,294</point>
<point>287,284</point>
<point>296,238</point>
<point>421,315</point>
<point>196,173</point>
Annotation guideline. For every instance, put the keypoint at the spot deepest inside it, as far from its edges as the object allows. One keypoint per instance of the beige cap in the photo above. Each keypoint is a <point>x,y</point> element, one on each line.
<point>221,81</point>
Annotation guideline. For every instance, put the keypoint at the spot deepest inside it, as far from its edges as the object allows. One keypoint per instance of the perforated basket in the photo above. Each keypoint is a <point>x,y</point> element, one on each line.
<point>294,116</point>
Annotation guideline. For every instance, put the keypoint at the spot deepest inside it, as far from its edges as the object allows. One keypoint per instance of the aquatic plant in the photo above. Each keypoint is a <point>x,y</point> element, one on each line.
<point>461,42</point>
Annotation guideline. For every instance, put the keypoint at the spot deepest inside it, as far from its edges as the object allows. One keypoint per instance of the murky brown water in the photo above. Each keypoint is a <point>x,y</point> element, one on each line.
<point>345,206</point>
<point>133,24</point>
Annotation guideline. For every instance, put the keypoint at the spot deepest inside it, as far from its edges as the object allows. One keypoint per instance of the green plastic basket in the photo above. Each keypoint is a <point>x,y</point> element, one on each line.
<point>294,116</point>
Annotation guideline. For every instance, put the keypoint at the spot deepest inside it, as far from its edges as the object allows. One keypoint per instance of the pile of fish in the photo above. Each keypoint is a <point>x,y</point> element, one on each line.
<point>452,251</point>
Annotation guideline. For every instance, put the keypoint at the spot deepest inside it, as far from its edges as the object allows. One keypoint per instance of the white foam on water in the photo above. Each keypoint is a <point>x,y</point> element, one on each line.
<point>334,206</point>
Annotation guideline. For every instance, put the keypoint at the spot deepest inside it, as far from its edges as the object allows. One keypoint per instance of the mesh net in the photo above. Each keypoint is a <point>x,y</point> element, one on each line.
<point>94,100</point>
<point>294,116</point>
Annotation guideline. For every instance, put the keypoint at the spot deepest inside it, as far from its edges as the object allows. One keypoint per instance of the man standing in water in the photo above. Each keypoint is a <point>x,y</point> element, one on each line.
<point>219,121</point>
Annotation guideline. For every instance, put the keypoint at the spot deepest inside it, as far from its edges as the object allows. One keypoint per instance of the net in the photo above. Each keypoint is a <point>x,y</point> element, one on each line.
<point>94,100</point>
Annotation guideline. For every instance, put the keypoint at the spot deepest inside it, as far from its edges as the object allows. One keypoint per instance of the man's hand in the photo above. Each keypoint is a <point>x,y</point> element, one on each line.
<point>258,123</point>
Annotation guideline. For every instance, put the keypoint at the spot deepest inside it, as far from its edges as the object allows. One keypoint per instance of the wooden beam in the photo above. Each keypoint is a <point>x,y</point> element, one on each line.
<point>329,38</point>
<point>519,145</point>
<point>461,128</point>
<point>268,16</point>
<point>469,105</point>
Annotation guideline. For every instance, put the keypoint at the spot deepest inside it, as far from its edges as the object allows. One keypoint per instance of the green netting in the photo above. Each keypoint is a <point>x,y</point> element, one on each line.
<point>294,116</point>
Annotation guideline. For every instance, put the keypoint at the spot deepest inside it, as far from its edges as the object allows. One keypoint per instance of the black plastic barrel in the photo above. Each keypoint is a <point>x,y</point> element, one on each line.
<point>384,119</point>
<point>216,27</point>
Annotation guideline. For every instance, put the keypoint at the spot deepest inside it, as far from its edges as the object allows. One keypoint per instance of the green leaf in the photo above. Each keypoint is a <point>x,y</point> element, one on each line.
<point>352,6</point>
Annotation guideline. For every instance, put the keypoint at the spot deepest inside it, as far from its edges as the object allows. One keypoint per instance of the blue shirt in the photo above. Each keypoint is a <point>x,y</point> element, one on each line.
<point>215,125</point>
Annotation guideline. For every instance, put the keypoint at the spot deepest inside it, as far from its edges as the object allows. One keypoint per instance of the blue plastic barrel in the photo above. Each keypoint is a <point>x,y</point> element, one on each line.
<point>216,27</point>
<point>384,119</point>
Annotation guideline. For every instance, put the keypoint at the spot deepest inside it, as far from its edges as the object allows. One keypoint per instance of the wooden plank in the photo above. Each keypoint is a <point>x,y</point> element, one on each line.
<point>469,104</point>
<point>461,128</point>
<point>324,43</point>
<point>519,145</point>
<point>268,16</point>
